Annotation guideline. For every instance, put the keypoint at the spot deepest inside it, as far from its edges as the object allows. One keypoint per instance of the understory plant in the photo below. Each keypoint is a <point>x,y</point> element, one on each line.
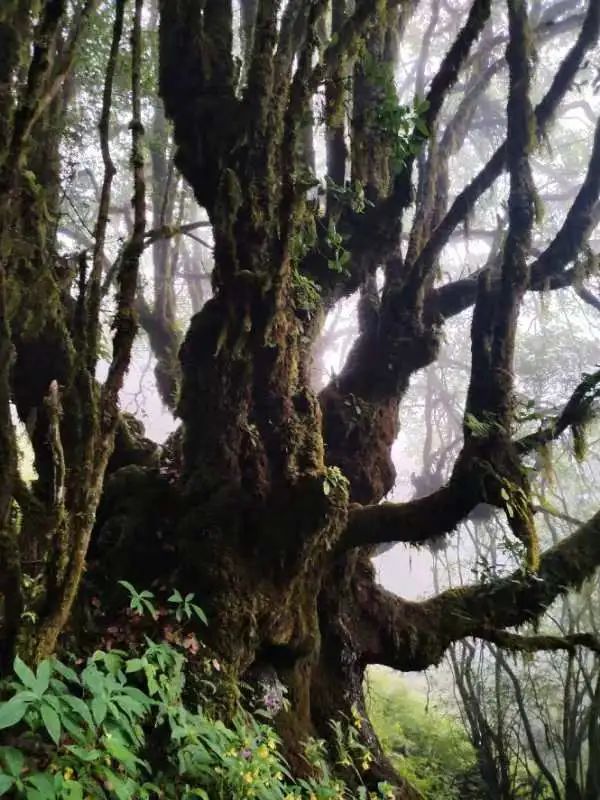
<point>118,725</point>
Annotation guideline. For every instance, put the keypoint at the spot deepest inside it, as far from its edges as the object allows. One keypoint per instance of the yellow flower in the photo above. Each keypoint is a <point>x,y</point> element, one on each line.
<point>247,777</point>
<point>68,774</point>
<point>271,744</point>
<point>263,752</point>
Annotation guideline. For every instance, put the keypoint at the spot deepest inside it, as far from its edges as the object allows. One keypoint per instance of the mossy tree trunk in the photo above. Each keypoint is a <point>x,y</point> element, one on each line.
<point>271,509</point>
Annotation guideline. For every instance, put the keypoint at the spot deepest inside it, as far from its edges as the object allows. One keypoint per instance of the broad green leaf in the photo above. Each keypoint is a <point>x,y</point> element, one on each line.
<point>84,755</point>
<point>42,679</point>
<point>72,790</point>
<point>120,753</point>
<point>24,673</point>
<point>93,679</point>
<point>51,722</point>
<point>14,760</point>
<point>66,672</point>
<point>113,662</point>
<point>6,783</point>
<point>43,782</point>
<point>131,589</point>
<point>134,665</point>
<point>78,733</point>
<point>12,712</point>
<point>99,708</point>
<point>81,708</point>
<point>200,613</point>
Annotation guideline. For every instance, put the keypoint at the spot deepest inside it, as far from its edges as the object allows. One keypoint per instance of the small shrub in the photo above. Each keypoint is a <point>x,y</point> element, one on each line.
<point>84,732</point>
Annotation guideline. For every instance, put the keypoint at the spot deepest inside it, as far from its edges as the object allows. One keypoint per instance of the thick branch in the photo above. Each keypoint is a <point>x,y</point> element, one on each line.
<point>522,596</point>
<point>414,522</point>
<point>414,635</point>
<point>548,270</point>
<point>533,644</point>
<point>575,413</point>
<point>125,323</point>
<point>544,112</point>
<point>426,518</point>
<point>455,58</point>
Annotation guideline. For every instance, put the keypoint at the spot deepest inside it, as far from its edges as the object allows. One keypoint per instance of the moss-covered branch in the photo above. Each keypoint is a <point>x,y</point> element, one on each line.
<point>125,324</point>
<point>521,597</point>
<point>576,413</point>
<point>454,59</point>
<point>437,514</point>
<point>197,85</point>
<point>544,113</point>
<point>533,644</point>
<point>548,271</point>
<point>414,635</point>
<point>100,415</point>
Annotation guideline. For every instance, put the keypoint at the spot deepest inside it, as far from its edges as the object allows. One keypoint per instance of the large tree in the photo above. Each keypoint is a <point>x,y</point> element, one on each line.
<point>267,501</point>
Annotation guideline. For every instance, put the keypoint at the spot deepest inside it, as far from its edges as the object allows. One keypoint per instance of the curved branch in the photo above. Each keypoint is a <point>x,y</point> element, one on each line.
<point>447,74</point>
<point>544,112</point>
<point>574,413</point>
<point>548,270</point>
<point>437,514</point>
<point>533,644</point>
<point>415,522</point>
<point>408,635</point>
<point>522,596</point>
<point>578,225</point>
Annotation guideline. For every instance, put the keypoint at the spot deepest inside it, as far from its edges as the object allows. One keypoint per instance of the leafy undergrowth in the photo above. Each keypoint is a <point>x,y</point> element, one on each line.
<point>427,747</point>
<point>117,725</point>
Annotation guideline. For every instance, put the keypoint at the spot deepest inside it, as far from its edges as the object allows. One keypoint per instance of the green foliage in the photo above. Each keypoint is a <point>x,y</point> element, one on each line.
<point>307,293</point>
<point>483,428</point>
<point>350,196</point>
<point>335,481</point>
<point>140,602</point>
<point>186,608</point>
<point>402,127</point>
<point>430,750</point>
<point>339,260</point>
<point>93,731</point>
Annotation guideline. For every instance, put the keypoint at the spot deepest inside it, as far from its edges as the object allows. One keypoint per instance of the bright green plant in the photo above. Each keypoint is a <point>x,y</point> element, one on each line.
<point>186,608</point>
<point>140,602</point>
<point>429,748</point>
<point>86,732</point>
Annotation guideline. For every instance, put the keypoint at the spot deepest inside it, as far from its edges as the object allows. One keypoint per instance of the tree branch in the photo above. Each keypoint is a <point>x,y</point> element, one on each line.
<point>94,289</point>
<point>533,644</point>
<point>408,635</point>
<point>437,514</point>
<point>544,112</point>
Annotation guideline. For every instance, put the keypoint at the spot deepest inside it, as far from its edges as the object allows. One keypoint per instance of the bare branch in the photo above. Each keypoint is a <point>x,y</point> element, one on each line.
<point>125,323</point>
<point>98,256</point>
